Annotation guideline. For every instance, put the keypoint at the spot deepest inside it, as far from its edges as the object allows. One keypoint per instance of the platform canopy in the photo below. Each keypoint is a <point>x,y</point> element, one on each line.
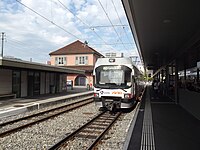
<point>21,64</point>
<point>165,30</point>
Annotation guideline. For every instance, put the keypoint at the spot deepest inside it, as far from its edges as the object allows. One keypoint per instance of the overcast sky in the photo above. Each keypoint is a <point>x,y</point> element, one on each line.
<point>61,22</point>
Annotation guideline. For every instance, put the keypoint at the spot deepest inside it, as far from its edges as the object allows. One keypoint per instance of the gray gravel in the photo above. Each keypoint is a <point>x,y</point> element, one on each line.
<point>36,111</point>
<point>116,137</point>
<point>46,134</point>
<point>11,126</point>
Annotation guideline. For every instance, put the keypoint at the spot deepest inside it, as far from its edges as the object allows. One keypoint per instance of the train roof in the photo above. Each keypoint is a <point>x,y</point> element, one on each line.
<point>117,61</point>
<point>114,61</point>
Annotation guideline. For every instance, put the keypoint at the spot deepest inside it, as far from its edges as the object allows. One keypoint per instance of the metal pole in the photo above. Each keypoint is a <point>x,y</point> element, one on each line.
<point>176,82</point>
<point>2,38</point>
<point>162,75</point>
<point>167,80</point>
<point>184,73</point>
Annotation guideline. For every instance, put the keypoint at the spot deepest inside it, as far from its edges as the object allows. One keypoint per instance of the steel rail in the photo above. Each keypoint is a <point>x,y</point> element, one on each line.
<point>40,113</point>
<point>103,133</point>
<point>77,105</point>
<point>57,145</point>
<point>71,135</point>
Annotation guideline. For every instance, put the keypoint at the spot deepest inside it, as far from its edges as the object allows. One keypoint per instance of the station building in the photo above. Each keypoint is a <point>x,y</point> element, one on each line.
<point>77,55</point>
<point>20,78</point>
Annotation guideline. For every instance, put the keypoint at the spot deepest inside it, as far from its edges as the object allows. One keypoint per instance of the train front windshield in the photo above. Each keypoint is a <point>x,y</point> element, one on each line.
<point>113,76</point>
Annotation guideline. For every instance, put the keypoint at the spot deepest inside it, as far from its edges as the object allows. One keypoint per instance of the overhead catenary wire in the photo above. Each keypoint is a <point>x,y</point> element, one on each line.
<point>20,51</point>
<point>112,44</point>
<point>91,28</point>
<point>105,26</point>
<point>20,46</point>
<point>49,20</point>
<point>120,20</point>
<point>127,34</point>
<point>111,23</point>
<point>23,45</point>
<point>51,11</point>
<point>122,23</point>
<point>20,43</point>
<point>73,35</point>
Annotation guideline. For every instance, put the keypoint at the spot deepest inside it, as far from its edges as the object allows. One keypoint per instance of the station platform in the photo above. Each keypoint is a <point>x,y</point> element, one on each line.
<point>161,124</point>
<point>11,107</point>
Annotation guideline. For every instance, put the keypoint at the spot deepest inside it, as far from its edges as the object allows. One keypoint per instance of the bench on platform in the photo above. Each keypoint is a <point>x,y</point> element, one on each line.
<point>7,96</point>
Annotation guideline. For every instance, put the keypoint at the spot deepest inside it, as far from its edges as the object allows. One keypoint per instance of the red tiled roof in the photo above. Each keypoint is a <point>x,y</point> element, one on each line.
<point>76,47</point>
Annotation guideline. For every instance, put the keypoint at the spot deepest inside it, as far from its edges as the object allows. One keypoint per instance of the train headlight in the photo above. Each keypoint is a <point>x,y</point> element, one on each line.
<point>128,96</point>
<point>96,94</point>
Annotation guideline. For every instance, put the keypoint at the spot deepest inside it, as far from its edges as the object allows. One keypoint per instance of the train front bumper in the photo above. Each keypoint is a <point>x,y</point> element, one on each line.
<point>121,103</point>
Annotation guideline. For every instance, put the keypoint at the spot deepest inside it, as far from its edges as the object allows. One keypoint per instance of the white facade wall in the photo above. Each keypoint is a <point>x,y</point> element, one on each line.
<point>5,81</point>
<point>42,83</point>
<point>24,83</point>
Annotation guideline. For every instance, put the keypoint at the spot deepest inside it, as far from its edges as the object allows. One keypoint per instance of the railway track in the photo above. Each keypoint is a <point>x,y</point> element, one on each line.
<point>89,134</point>
<point>24,122</point>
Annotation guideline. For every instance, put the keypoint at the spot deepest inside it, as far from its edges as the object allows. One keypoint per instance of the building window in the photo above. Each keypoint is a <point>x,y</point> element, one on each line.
<point>16,83</point>
<point>60,60</point>
<point>33,83</point>
<point>81,60</point>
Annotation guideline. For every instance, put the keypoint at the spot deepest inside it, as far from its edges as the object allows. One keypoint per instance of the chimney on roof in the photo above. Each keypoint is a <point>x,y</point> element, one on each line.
<point>85,43</point>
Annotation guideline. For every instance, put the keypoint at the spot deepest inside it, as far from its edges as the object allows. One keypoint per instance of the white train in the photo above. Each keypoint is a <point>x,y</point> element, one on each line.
<point>116,83</point>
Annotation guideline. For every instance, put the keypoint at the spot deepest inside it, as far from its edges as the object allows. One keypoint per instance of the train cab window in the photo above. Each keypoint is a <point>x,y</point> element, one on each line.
<point>119,76</point>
